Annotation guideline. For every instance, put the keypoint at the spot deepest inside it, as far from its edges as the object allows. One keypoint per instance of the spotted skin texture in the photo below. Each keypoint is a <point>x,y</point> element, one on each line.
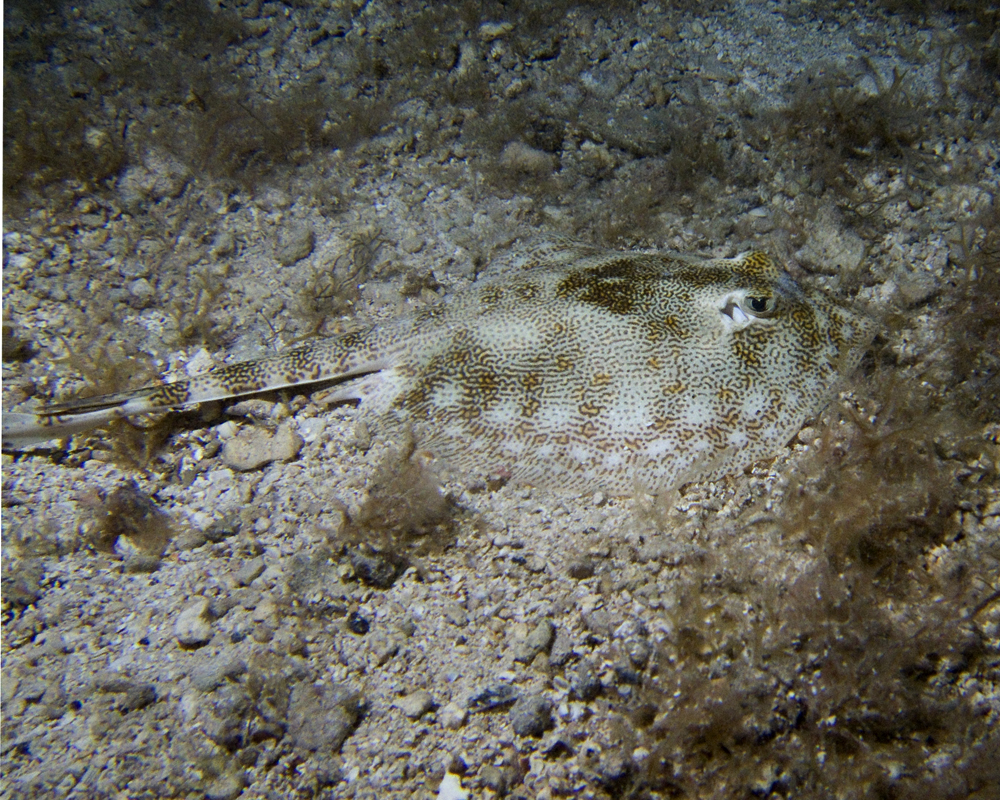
<point>577,368</point>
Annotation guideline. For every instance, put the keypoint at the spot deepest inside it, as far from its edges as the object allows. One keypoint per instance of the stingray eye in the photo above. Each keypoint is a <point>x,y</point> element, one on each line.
<point>760,305</point>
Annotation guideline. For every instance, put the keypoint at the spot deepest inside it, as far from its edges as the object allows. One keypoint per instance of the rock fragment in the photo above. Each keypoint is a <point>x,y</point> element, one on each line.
<point>222,715</point>
<point>133,524</point>
<point>357,624</point>
<point>531,715</point>
<point>639,651</point>
<point>209,675</point>
<point>255,446</point>
<point>831,249</point>
<point>494,779</point>
<point>378,569</point>
<point>493,697</point>
<point>192,627</point>
<point>411,244</point>
<point>415,704</point>
<point>520,159</point>
<point>138,696</point>
<point>489,31</point>
<point>580,568</point>
<point>451,788</point>
<point>21,580</point>
<point>453,716</point>
<point>140,563</point>
<point>227,786</point>
<point>585,683</point>
<point>296,245</point>
<point>539,640</point>
<point>562,649</point>
<point>250,571</point>
<point>320,718</point>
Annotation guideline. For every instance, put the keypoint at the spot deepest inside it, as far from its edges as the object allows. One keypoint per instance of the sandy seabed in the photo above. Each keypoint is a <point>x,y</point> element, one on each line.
<point>192,183</point>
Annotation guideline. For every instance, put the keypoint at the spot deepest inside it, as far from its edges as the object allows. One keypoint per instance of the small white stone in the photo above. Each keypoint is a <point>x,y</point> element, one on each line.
<point>227,430</point>
<point>451,788</point>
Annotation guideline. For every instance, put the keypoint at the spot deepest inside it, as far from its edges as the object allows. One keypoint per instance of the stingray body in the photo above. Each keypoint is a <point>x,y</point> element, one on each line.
<point>577,368</point>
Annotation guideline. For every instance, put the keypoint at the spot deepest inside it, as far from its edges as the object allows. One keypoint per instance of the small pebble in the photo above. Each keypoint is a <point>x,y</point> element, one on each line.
<point>538,640</point>
<point>109,681</point>
<point>531,715</point>
<point>227,786</point>
<point>54,700</point>
<point>21,581</point>
<point>456,615</point>
<point>376,570</point>
<point>451,788</point>
<point>139,696</point>
<point>493,778</point>
<point>411,244</point>
<point>519,159</point>
<point>296,245</point>
<point>415,704</point>
<point>489,31</point>
<point>585,683</point>
<point>192,627</point>
<point>222,528</point>
<point>190,539</point>
<point>262,633</point>
<point>208,676</point>
<point>562,649</point>
<point>580,568</point>
<point>32,690</point>
<point>384,650</point>
<point>250,571</point>
<point>614,767</point>
<point>534,563</point>
<point>625,674</point>
<point>639,651</point>
<point>16,346</point>
<point>498,695</point>
<point>320,718</point>
<point>360,437</point>
<point>223,244</point>
<point>453,716</point>
<point>143,292</point>
<point>255,446</point>
<point>916,288</point>
<point>357,624</point>
<point>139,563</point>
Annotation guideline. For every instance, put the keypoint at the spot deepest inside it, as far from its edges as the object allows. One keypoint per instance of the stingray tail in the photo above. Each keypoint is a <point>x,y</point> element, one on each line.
<point>333,359</point>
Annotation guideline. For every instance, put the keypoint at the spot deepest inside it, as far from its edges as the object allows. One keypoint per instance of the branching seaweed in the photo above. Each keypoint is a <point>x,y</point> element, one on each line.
<point>404,515</point>
<point>850,675</point>
<point>193,317</point>
<point>332,290</point>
